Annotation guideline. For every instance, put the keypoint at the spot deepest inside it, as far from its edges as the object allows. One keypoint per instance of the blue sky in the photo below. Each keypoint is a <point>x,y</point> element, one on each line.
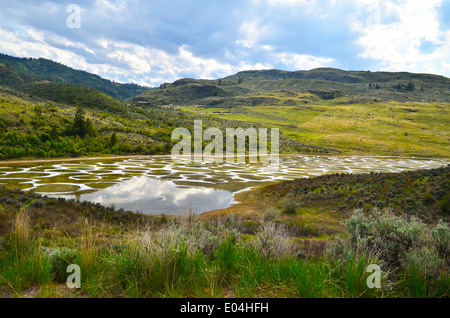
<point>152,42</point>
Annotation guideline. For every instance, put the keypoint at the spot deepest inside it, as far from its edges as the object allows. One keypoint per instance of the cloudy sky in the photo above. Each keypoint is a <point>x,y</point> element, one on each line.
<point>151,42</point>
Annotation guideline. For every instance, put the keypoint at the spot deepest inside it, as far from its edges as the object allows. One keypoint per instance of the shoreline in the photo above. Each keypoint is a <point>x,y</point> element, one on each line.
<point>35,160</point>
<point>20,161</point>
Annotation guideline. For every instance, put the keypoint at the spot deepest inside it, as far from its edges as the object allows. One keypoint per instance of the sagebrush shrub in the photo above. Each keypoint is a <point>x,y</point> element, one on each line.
<point>384,236</point>
<point>290,203</point>
<point>270,214</point>
<point>60,259</point>
<point>273,241</point>
<point>441,238</point>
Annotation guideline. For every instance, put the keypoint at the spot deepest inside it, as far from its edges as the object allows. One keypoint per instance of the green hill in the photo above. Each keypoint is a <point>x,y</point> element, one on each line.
<point>41,121</point>
<point>32,127</point>
<point>75,95</point>
<point>318,111</point>
<point>245,87</point>
<point>9,77</point>
<point>43,69</point>
<point>422,193</point>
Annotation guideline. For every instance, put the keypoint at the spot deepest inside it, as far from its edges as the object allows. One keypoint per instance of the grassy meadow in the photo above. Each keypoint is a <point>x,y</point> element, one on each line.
<point>374,128</point>
<point>286,252</point>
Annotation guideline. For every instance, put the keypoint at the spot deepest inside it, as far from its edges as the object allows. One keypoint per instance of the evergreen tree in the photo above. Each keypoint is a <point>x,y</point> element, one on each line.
<point>78,122</point>
<point>410,87</point>
<point>82,127</point>
<point>113,140</point>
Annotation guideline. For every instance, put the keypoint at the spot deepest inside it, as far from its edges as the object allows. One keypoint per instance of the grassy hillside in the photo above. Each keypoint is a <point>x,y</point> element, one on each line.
<point>40,121</point>
<point>313,209</point>
<point>376,113</point>
<point>424,194</point>
<point>323,83</point>
<point>44,69</point>
<point>122,254</point>
<point>319,111</point>
<point>376,128</point>
<point>33,127</point>
<point>74,95</point>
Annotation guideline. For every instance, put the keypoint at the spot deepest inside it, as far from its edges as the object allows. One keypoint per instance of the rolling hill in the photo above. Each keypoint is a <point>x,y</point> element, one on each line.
<point>249,88</point>
<point>322,111</point>
<point>43,69</point>
<point>40,121</point>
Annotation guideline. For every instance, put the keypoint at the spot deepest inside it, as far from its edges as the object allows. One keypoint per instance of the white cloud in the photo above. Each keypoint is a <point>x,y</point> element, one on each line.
<point>397,45</point>
<point>303,61</point>
<point>123,62</point>
<point>126,41</point>
<point>250,32</point>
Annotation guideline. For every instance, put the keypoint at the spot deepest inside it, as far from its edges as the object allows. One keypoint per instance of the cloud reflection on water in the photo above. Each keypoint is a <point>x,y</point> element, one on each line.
<point>153,196</point>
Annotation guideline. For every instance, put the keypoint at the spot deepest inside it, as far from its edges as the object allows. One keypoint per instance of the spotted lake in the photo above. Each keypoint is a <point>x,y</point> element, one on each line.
<point>156,185</point>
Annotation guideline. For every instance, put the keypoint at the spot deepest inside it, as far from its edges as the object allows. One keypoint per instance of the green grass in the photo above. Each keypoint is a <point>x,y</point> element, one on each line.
<point>191,258</point>
<point>390,128</point>
<point>22,262</point>
<point>32,127</point>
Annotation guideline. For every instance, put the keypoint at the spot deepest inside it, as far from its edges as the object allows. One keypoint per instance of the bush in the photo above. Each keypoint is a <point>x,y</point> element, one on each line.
<point>38,203</point>
<point>290,204</point>
<point>271,214</point>
<point>445,205</point>
<point>60,260</point>
<point>429,199</point>
<point>441,237</point>
<point>385,237</point>
<point>424,260</point>
<point>273,241</point>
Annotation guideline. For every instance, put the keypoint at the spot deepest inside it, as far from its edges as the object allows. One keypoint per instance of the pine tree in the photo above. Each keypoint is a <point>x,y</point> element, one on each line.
<point>78,122</point>
<point>81,126</point>
<point>113,140</point>
<point>410,87</point>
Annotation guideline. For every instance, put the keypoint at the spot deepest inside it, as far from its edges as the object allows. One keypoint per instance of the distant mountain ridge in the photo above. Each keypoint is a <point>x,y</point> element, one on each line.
<point>246,88</point>
<point>29,70</point>
<point>243,88</point>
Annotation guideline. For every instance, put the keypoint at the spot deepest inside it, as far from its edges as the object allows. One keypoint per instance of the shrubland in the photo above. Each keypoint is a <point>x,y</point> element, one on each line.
<point>123,254</point>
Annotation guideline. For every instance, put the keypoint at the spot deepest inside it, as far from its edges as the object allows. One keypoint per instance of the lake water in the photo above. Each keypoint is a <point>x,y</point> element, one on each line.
<point>157,185</point>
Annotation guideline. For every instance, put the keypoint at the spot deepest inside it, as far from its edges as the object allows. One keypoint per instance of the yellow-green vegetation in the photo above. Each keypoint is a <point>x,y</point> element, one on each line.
<point>32,127</point>
<point>384,128</point>
<point>184,257</point>
<point>370,113</point>
<point>422,193</point>
<point>284,253</point>
<point>74,121</point>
